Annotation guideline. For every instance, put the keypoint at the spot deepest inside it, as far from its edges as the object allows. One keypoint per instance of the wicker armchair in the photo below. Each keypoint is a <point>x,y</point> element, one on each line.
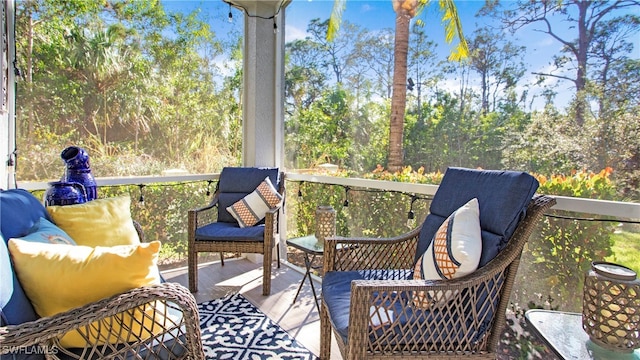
<point>180,338</point>
<point>166,310</point>
<point>369,281</point>
<point>213,229</point>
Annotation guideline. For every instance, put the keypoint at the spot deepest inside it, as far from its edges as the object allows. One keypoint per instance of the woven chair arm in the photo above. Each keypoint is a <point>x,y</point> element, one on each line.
<point>211,205</point>
<point>373,287</point>
<point>203,215</point>
<point>270,215</point>
<point>346,254</point>
<point>271,225</point>
<point>46,330</point>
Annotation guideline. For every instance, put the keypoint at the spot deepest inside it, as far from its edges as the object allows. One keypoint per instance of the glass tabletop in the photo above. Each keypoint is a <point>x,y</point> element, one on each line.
<point>307,244</point>
<point>563,333</point>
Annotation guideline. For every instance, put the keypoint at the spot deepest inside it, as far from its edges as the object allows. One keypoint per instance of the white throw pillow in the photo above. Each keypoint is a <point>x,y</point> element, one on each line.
<point>454,252</point>
<point>249,210</point>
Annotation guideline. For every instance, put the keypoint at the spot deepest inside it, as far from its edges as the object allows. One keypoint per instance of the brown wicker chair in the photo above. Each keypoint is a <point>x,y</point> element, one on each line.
<point>180,338</point>
<point>470,325</point>
<point>179,335</point>
<point>213,229</point>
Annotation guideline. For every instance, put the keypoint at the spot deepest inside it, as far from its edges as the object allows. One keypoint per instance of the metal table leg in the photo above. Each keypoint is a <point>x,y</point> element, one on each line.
<point>308,263</point>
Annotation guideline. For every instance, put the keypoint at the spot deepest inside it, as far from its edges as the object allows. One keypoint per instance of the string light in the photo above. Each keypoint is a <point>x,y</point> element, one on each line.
<point>275,26</point>
<point>411,215</point>
<point>209,187</point>
<point>141,198</point>
<point>346,196</point>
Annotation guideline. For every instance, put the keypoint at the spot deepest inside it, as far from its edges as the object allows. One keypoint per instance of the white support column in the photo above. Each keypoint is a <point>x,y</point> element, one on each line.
<point>263,102</point>
<point>263,93</point>
<point>7,111</point>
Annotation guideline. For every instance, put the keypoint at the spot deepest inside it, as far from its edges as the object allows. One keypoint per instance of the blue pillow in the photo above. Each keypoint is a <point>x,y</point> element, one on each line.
<point>15,307</point>
<point>6,276</point>
<point>19,211</point>
<point>44,231</point>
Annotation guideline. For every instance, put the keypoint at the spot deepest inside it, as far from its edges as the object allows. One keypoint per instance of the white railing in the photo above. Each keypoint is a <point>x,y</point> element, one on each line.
<point>617,209</point>
<point>126,180</point>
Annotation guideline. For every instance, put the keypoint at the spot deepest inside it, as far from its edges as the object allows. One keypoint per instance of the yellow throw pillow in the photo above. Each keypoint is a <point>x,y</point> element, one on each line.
<point>101,222</point>
<point>59,277</point>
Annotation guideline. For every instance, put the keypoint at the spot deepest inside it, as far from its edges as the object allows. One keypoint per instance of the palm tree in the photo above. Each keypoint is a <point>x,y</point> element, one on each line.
<point>405,11</point>
<point>99,59</point>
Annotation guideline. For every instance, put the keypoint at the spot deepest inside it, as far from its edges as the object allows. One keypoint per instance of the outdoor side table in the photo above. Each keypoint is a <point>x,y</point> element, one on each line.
<point>563,333</point>
<point>311,248</point>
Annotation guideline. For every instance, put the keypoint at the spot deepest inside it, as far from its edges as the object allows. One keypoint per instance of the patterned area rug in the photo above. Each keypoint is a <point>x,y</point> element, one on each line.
<point>232,328</point>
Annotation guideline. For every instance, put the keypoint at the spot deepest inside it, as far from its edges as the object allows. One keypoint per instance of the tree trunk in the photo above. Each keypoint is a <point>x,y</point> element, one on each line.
<point>399,96</point>
<point>584,38</point>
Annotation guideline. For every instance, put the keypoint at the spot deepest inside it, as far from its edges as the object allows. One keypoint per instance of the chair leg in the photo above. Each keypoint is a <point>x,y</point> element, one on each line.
<point>266,273</point>
<point>278,253</point>
<point>193,270</point>
<point>325,333</point>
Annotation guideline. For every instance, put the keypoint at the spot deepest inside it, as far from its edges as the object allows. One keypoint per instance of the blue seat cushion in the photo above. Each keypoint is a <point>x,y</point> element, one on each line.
<point>224,231</point>
<point>336,292</point>
<point>237,182</point>
<point>503,197</point>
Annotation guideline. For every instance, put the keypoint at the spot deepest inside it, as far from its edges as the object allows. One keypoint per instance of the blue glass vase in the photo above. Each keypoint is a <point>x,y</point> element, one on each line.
<point>64,193</point>
<point>79,170</point>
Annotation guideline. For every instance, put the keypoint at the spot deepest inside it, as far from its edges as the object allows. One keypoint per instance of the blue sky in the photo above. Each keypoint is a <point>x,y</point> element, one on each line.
<point>378,14</point>
<point>371,14</point>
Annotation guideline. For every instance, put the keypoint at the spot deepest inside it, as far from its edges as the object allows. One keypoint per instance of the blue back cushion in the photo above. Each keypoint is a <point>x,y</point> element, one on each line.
<point>238,182</point>
<point>503,197</point>
<point>19,211</point>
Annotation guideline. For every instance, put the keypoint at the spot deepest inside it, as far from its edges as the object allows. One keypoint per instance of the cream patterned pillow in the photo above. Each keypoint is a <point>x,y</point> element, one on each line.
<point>253,207</point>
<point>454,252</point>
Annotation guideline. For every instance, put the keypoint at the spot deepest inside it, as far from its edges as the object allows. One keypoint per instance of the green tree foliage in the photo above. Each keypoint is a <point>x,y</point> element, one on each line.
<point>546,146</point>
<point>126,80</point>
<point>499,66</point>
<point>131,81</point>
<point>323,132</point>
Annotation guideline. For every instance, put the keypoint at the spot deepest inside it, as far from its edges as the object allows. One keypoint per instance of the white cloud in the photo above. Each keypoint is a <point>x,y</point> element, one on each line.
<point>545,42</point>
<point>293,33</point>
<point>450,84</point>
<point>365,8</point>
